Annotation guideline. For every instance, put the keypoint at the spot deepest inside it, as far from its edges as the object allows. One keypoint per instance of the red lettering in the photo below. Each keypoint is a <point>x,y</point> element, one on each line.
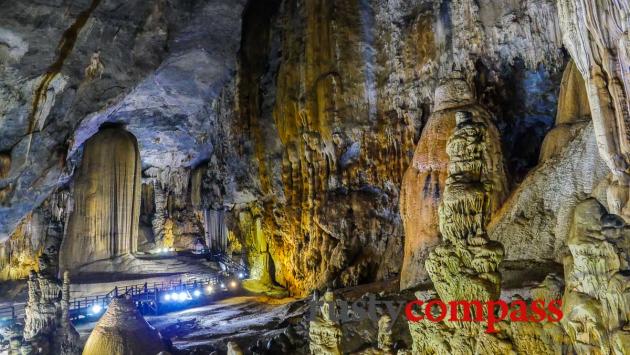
<point>409,311</point>
<point>538,307</point>
<point>466,306</point>
<point>520,313</point>
<point>555,311</point>
<point>429,314</point>
<point>503,307</point>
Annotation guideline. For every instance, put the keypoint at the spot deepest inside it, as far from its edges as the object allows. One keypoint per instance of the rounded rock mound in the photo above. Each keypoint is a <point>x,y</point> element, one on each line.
<point>123,331</point>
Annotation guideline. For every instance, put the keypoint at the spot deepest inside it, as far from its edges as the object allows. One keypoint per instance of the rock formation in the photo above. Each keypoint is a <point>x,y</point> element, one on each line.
<point>573,113</point>
<point>596,302</point>
<point>423,184</point>
<point>234,349</point>
<point>47,324</point>
<point>105,218</point>
<point>463,214</point>
<point>123,331</point>
<point>95,69</point>
<point>385,340</point>
<point>465,265</point>
<point>596,35</point>
<point>325,332</point>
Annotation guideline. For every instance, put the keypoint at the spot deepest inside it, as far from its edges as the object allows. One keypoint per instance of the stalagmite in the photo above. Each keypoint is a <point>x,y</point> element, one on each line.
<point>233,349</point>
<point>465,265</point>
<point>47,325</point>
<point>597,297</point>
<point>160,214</point>
<point>123,331</point>
<point>423,184</point>
<point>324,332</point>
<point>105,218</point>
<point>385,341</point>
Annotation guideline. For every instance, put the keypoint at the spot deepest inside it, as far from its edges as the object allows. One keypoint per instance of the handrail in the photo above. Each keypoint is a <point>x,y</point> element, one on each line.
<point>77,304</point>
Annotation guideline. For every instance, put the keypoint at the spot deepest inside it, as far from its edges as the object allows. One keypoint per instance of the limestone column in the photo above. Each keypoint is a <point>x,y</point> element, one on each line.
<point>107,189</point>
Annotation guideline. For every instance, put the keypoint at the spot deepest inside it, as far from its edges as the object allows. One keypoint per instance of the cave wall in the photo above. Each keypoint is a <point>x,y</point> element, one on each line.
<point>333,98</point>
<point>310,123</point>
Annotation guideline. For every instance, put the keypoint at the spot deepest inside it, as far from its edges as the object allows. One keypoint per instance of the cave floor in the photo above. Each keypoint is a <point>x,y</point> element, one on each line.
<point>243,319</point>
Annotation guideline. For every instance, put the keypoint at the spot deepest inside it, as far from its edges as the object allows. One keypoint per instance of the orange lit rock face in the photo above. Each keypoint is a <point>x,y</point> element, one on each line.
<point>423,183</point>
<point>104,222</point>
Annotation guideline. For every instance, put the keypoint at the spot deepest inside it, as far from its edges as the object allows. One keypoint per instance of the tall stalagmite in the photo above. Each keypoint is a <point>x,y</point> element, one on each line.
<point>465,265</point>
<point>105,218</point>
<point>424,180</point>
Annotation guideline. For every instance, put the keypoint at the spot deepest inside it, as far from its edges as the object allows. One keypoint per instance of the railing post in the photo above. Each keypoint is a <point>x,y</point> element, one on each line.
<point>116,291</point>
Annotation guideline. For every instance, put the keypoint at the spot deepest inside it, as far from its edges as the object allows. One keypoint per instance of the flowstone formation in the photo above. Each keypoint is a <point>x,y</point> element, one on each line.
<point>324,332</point>
<point>465,265</point>
<point>597,273</point>
<point>573,113</point>
<point>105,218</point>
<point>47,326</point>
<point>123,331</point>
<point>596,35</point>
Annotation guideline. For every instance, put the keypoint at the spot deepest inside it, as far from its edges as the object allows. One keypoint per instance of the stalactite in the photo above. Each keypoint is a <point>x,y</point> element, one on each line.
<point>105,218</point>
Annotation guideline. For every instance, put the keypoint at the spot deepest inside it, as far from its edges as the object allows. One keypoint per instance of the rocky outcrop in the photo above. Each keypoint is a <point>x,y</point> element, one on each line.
<point>105,218</point>
<point>541,208</point>
<point>34,245</point>
<point>123,331</point>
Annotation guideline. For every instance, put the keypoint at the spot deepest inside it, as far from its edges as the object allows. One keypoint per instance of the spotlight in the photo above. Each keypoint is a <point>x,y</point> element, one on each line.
<point>96,309</point>
<point>233,284</point>
<point>240,275</point>
<point>209,289</point>
<point>183,296</point>
<point>167,297</point>
<point>174,296</point>
<point>197,293</point>
<point>222,285</point>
